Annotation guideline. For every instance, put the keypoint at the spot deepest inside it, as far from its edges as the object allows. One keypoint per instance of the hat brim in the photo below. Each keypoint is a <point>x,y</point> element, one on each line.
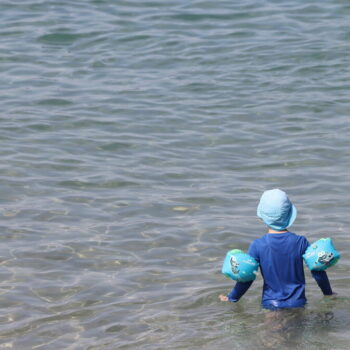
<point>292,216</point>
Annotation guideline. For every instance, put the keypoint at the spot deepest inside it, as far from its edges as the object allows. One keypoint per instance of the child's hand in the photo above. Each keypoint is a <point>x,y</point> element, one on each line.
<point>332,296</point>
<point>223,297</point>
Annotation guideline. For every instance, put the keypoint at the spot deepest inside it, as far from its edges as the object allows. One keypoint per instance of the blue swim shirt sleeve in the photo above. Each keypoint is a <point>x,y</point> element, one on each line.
<point>253,252</point>
<point>238,291</point>
<point>322,280</point>
<point>304,245</point>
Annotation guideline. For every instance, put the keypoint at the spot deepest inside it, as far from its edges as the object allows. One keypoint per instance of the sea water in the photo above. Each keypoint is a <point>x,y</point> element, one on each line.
<point>136,139</point>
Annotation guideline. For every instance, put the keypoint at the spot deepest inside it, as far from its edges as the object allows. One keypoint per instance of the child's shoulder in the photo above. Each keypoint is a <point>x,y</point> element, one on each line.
<point>299,237</point>
<point>266,237</point>
<point>260,240</point>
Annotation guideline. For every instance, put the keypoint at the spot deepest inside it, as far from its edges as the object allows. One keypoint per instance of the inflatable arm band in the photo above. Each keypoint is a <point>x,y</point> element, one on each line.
<point>321,255</point>
<point>240,266</point>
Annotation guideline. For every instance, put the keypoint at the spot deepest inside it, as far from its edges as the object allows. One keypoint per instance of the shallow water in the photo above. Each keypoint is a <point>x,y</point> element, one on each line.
<point>136,138</point>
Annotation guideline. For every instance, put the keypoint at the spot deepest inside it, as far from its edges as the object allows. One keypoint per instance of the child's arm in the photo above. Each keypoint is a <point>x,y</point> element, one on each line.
<point>322,280</point>
<point>241,287</point>
<point>320,276</point>
<point>237,292</point>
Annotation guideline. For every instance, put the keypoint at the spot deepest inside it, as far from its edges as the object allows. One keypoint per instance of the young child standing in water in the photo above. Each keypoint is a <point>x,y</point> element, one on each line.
<point>279,254</point>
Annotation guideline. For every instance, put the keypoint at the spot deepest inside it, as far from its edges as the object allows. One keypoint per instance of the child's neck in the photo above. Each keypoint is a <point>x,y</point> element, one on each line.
<point>274,231</point>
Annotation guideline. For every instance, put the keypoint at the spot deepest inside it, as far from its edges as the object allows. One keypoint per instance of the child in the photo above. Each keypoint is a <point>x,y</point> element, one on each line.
<point>279,254</point>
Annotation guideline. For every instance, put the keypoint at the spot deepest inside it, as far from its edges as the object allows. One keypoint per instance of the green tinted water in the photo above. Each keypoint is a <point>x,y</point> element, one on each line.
<point>136,139</point>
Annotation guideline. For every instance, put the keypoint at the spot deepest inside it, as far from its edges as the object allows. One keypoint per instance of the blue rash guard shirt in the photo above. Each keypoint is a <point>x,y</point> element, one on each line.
<point>281,265</point>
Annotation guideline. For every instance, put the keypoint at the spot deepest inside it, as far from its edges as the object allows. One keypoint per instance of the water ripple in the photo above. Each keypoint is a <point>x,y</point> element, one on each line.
<point>136,139</point>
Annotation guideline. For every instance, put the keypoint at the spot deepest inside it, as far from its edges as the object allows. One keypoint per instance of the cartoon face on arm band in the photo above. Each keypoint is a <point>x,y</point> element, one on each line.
<point>321,255</point>
<point>240,266</point>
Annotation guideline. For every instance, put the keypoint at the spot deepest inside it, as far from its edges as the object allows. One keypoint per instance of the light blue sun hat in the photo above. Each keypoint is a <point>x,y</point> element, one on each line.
<point>276,210</point>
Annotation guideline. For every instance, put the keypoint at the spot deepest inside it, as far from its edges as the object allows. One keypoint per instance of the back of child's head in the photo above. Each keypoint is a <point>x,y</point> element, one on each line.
<point>276,210</point>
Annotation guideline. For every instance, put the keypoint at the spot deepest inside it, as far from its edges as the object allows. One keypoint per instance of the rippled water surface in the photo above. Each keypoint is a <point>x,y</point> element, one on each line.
<point>136,139</point>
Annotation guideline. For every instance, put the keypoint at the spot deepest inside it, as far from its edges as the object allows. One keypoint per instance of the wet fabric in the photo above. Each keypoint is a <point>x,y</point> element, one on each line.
<point>281,265</point>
